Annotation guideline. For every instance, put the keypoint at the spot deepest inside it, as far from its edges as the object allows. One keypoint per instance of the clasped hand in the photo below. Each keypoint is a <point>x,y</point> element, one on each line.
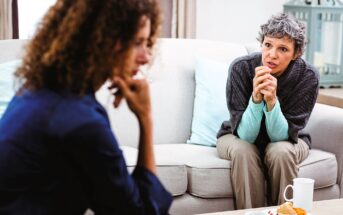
<point>264,87</point>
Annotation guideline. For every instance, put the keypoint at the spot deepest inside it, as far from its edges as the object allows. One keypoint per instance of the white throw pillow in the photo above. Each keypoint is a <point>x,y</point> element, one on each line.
<point>210,108</point>
<point>7,70</point>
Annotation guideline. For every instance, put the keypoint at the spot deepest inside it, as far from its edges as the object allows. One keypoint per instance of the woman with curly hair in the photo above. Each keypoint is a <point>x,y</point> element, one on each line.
<point>58,154</point>
<point>270,95</point>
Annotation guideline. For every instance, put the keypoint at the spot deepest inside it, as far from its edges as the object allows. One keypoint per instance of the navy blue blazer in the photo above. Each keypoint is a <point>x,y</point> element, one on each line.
<point>58,155</point>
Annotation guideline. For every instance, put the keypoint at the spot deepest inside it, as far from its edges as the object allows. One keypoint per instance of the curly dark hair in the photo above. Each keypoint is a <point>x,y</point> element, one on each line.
<point>74,46</point>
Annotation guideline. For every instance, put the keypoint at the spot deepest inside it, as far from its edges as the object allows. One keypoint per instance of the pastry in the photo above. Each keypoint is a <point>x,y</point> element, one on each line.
<point>300,211</point>
<point>286,209</point>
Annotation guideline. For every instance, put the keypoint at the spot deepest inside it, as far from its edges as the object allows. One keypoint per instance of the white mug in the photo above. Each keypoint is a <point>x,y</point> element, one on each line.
<point>302,193</point>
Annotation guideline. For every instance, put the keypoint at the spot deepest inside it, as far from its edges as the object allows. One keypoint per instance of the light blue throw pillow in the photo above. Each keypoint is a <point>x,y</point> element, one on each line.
<point>210,108</point>
<point>7,70</point>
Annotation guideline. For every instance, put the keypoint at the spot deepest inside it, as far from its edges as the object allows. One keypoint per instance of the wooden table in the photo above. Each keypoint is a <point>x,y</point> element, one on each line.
<point>326,207</point>
<point>332,97</point>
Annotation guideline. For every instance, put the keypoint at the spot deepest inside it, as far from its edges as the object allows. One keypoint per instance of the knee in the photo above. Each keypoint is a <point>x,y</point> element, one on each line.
<point>244,151</point>
<point>231,147</point>
<point>279,152</point>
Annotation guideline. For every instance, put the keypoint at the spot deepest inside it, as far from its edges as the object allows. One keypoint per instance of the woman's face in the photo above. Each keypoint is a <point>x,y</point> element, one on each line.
<point>277,53</point>
<point>140,52</point>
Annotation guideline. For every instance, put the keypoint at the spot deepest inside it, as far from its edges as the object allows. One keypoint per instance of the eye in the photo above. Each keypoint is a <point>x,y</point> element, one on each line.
<point>138,42</point>
<point>283,49</point>
<point>267,45</point>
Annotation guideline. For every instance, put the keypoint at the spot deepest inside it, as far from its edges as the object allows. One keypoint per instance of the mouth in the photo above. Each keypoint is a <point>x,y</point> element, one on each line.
<point>271,65</point>
<point>135,72</point>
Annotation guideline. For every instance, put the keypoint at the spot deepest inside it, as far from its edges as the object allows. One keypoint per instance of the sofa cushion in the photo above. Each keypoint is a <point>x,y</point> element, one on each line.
<point>208,175</point>
<point>172,173</point>
<point>210,108</point>
<point>320,166</point>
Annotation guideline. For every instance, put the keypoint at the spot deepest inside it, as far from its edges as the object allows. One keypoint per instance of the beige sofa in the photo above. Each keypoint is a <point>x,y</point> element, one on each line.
<point>195,175</point>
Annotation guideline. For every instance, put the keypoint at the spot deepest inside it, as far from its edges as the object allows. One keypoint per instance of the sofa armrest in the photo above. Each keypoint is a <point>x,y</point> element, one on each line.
<point>326,129</point>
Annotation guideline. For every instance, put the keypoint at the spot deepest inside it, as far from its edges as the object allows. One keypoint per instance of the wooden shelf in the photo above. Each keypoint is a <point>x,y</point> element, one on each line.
<point>333,97</point>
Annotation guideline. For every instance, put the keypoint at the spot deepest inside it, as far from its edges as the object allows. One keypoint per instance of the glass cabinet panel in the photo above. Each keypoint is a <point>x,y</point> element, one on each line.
<point>325,34</point>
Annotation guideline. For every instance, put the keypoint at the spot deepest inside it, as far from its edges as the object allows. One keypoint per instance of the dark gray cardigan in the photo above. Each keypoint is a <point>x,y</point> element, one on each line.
<point>297,90</point>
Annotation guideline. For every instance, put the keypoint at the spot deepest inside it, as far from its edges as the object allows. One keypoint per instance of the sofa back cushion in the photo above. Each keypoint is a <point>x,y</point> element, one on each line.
<point>11,49</point>
<point>210,108</point>
<point>172,85</point>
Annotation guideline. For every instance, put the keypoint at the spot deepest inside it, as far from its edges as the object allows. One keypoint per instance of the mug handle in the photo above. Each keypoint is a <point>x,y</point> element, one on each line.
<point>284,193</point>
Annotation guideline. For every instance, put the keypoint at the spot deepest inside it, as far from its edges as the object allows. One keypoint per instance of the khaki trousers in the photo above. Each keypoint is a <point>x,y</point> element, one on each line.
<point>248,172</point>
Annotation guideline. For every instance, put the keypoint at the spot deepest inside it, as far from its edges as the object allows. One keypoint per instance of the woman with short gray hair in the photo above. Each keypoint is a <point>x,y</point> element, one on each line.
<point>270,95</point>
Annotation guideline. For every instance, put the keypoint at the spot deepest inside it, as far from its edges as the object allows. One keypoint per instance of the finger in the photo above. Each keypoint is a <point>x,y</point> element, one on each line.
<point>261,70</point>
<point>112,86</point>
<point>271,83</point>
<point>270,89</point>
<point>117,99</point>
<point>273,79</point>
<point>261,79</point>
<point>265,92</point>
<point>261,86</point>
<point>123,86</point>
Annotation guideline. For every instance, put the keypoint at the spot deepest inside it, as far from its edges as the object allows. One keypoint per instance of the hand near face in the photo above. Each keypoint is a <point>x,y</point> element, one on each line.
<point>262,73</point>
<point>136,93</point>
<point>265,86</point>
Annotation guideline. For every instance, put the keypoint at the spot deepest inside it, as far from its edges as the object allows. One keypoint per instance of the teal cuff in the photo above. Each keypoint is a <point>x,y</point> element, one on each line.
<point>256,107</point>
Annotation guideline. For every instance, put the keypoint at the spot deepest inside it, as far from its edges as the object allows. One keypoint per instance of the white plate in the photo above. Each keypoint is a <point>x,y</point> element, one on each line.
<point>271,211</point>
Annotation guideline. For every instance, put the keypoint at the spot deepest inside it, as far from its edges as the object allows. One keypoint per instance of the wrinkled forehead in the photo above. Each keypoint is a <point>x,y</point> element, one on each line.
<point>280,37</point>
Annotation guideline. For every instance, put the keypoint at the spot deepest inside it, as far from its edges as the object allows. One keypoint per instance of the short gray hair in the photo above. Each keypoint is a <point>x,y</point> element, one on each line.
<point>285,25</point>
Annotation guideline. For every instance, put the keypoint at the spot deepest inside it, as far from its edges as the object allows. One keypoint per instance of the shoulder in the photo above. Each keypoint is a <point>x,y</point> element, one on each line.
<point>307,70</point>
<point>247,62</point>
<point>244,66</point>
<point>251,59</point>
<point>73,112</point>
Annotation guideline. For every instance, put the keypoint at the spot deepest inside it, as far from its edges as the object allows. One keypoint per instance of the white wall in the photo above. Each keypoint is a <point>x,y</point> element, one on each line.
<point>232,20</point>
<point>224,20</point>
<point>30,13</point>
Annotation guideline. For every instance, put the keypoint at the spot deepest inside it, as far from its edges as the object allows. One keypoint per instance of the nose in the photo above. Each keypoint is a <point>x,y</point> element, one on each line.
<point>144,55</point>
<point>272,53</point>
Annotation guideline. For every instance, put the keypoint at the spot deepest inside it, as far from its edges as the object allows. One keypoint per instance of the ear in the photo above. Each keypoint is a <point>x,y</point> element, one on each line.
<point>296,55</point>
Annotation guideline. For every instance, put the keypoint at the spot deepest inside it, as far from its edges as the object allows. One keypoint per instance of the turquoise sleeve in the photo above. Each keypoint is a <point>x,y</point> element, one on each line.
<point>250,124</point>
<point>276,123</point>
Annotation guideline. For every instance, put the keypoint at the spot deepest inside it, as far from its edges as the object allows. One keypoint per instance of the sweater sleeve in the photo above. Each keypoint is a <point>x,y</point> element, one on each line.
<point>249,126</point>
<point>276,123</point>
<point>299,90</point>
<point>238,92</point>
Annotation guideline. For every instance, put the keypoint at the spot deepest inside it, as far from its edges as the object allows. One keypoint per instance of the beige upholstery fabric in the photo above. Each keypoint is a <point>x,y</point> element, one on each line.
<point>208,175</point>
<point>172,173</point>
<point>321,162</point>
<point>325,126</point>
<point>188,204</point>
<point>11,49</point>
